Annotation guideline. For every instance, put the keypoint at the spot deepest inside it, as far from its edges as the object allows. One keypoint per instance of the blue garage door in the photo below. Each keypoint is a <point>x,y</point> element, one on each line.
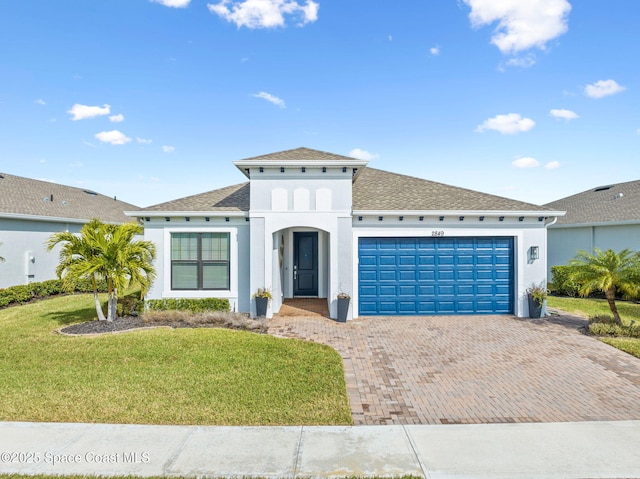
<point>404,276</point>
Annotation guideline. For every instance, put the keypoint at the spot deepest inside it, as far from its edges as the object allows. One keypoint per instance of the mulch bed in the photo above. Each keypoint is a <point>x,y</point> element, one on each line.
<point>135,322</point>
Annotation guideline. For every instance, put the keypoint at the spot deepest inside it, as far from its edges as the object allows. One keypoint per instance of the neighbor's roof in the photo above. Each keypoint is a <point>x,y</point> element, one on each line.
<point>21,196</point>
<point>380,190</point>
<point>603,204</point>
<point>231,198</point>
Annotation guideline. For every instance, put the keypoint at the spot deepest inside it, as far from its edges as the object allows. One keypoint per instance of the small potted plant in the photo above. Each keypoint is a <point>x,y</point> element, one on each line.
<point>536,296</point>
<point>262,297</point>
<point>343,306</point>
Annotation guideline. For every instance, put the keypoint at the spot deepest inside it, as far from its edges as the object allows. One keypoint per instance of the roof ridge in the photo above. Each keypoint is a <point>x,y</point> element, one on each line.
<point>300,150</point>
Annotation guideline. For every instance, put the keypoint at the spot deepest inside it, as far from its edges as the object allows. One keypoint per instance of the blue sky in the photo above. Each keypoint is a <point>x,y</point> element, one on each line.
<point>152,100</point>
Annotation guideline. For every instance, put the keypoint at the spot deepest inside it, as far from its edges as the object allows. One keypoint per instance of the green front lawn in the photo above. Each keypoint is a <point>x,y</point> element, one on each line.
<point>591,307</point>
<point>162,376</point>
<point>588,307</point>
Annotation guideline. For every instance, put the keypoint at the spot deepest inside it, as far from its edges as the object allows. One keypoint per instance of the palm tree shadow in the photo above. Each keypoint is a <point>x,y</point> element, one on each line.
<point>64,318</point>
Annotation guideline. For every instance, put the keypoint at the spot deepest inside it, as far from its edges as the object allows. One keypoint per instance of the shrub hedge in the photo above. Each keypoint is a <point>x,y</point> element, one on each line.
<point>23,293</point>
<point>184,304</point>
<point>561,284</point>
<point>604,325</point>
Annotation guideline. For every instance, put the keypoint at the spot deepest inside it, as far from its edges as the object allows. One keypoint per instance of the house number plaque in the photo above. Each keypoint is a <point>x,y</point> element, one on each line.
<point>437,234</point>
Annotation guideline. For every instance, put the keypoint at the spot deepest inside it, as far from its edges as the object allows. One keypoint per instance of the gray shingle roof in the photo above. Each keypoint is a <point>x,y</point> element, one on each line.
<point>373,190</point>
<point>608,203</point>
<point>385,191</point>
<point>299,154</point>
<point>230,198</point>
<point>24,196</point>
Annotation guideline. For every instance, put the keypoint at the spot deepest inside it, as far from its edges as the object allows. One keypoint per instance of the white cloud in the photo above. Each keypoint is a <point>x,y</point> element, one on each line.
<point>173,3</point>
<point>508,124</point>
<point>525,162</point>
<point>603,88</point>
<point>270,98</point>
<point>116,118</point>
<point>40,101</point>
<point>525,61</point>
<point>362,154</point>
<point>264,13</point>
<point>564,114</point>
<point>521,24</point>
<point>390,37</point>
<point>144,141</point>
<point>82,112</point>
<point>113,137</point>
<point>168,149</point>
<point>434,51</point>
<point>552,165</point>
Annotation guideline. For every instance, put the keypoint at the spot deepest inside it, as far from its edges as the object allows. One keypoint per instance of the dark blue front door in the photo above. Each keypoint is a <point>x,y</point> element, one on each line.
<point>422,276</point>
<point>305,264</point>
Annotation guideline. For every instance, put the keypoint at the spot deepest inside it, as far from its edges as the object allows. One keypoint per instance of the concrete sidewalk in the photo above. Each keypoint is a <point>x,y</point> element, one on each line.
<point>536,450</point>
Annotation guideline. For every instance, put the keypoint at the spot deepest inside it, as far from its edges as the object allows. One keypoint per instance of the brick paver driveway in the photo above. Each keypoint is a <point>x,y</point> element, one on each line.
<point>474,369</point>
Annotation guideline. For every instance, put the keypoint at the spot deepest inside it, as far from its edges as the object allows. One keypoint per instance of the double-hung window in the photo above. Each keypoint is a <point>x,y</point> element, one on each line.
<point>200,261</point>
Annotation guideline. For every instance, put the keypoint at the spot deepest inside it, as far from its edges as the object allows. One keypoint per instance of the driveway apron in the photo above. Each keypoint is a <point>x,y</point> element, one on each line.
<point>474,369</point>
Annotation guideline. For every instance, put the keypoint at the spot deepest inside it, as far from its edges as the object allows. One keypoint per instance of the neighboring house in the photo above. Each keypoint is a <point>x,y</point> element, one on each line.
<point>31,211</point>
<point>316,224</point>
<point>605,217</point>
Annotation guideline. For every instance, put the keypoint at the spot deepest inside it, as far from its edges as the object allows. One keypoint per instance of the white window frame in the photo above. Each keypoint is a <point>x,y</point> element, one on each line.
<point>231,293</point>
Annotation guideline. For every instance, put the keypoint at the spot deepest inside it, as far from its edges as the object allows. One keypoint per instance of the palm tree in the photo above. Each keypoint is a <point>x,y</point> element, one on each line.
<point>106,252</point>
<point>606,271</point>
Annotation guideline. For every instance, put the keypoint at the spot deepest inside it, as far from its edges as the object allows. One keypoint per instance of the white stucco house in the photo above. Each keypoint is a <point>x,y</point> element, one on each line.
<point>605,217</point>
<point>315,224</point>
<point>31,211</point>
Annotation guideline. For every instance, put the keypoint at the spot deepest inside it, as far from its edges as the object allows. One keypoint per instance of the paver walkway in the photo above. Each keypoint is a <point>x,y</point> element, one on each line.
<point>474,369</point>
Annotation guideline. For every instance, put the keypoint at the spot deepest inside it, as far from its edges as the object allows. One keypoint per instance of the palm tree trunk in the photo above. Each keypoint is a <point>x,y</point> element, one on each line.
<point>610,294</point>
<point>96,299</point>
<point>111,307</point>
<point>111,310</point>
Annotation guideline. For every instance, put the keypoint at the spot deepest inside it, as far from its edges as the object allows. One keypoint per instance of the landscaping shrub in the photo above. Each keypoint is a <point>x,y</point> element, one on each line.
<point>4,300</point>
<point>46,288</point>
<point>86,286</point>
<point>23,293</point>
<point>561,284</point>
<point>127,305</point>
<point>604,319</point>
<point>604,325</point>
<point>207,318</point>
<point>193,305</point>
<point>15,294</point>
